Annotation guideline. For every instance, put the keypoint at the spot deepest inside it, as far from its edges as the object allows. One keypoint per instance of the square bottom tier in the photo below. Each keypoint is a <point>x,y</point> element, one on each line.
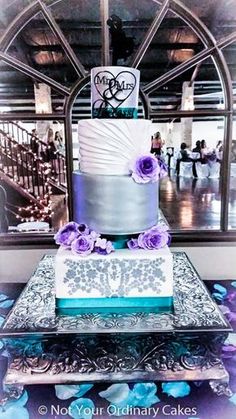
<point>125,279</point>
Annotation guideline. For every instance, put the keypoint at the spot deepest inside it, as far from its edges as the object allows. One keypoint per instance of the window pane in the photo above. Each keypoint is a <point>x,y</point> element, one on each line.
<point>200,85</point>
<point>38,47</point>
<point>190,196</point>
<point>33,174</point>
<point>232,192</point>
<point>80,23</point>
<point>18,95</point>
<point>9,10</point>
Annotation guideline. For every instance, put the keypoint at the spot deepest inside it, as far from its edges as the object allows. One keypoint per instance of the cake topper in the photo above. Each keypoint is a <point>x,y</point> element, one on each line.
<point>114,92</point>
<point>122,45</point>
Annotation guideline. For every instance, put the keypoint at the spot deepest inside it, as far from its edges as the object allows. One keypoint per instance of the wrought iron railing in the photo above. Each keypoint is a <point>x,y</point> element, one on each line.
<point>24,168</point>
<point>37,153</point>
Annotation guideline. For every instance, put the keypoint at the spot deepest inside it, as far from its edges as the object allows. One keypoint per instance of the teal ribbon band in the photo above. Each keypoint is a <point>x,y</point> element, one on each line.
<point>119,243</point>
<point>74,306</point>
<point>119,113</point>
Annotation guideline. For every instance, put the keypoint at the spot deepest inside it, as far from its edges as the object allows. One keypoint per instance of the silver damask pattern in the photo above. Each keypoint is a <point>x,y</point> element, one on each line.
<point>194,309</point>
<point>114,277</point>
<point>96,354</point>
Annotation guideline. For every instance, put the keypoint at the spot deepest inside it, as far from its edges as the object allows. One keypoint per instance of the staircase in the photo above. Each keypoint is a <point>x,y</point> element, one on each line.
<point>35,178</point>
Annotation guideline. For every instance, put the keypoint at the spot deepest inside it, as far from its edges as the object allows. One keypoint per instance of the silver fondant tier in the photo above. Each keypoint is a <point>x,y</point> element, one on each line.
<point>114,205</point>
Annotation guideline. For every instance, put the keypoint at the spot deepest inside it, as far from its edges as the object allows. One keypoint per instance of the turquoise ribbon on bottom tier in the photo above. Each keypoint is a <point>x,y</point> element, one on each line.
<point>74,306</point>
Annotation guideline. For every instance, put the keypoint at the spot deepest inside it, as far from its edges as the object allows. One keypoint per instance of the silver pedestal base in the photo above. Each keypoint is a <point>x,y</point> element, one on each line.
<point>45,348</point>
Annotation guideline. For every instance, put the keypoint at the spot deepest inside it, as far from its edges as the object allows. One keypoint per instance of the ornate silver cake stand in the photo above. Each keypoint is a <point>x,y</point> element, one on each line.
<point>44,347</point>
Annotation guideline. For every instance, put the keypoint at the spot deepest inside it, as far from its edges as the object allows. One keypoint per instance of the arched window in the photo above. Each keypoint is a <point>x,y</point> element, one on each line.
<point>55,44</point>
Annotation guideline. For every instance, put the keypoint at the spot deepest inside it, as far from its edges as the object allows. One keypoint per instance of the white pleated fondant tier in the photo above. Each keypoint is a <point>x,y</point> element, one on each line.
<point>107,146</point>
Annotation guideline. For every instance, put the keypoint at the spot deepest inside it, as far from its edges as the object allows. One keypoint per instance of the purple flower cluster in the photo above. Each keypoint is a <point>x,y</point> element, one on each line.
<point>154,238</point>
<point>81,240</point>
<point>147,169</point>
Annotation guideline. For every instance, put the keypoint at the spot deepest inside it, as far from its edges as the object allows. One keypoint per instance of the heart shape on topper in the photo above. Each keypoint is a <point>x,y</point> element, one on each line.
<point>117,88</point>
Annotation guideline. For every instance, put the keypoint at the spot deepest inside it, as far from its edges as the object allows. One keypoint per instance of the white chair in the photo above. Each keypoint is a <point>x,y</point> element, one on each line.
<point>195,155</point>
<point>169,158</point>
<point>169,151</point>
<point>166,158</point>
<point>219,155</point>
<point>173,160</point>
<point>202,170</point>
<point>214,170</point>
<point>233,169</point>
<point>186,169</point>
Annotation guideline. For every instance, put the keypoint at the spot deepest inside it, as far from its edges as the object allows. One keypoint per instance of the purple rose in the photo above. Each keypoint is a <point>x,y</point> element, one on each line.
<point>145,169</point>
<point>83,245</point>
<point>155,238</point>
<point>67,234</point>
<point>94,235</point>
<point>83,229</point>
<point>103,246</point>
<point>133,244</point>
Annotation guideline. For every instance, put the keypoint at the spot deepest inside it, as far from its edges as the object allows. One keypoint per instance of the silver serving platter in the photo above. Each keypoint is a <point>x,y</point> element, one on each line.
<point>35,313</point>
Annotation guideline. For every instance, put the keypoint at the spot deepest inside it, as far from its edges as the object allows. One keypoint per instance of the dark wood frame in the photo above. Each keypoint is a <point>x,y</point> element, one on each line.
<point>212,49</point>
